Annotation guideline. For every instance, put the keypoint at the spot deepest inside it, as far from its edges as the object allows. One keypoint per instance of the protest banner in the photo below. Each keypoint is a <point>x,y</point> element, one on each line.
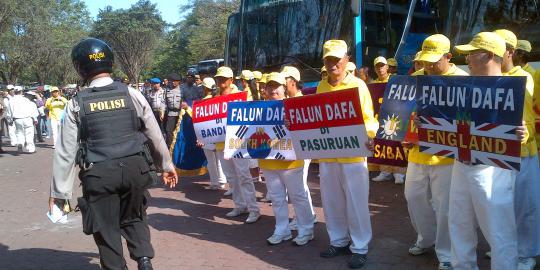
<point>327,125</point>
<point>471,118</point>
<point>210,117</point>
<point>256,130</point>
<point>376,91</point>
<point>399,100</point>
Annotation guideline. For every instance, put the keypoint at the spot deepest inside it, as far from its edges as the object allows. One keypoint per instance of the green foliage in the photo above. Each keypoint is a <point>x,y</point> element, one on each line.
<point>132,33</point>
<point>201,35</point>
<point>36,40</point>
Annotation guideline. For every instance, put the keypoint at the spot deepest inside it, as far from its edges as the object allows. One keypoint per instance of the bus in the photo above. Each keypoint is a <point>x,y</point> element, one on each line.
<point>267,34</point>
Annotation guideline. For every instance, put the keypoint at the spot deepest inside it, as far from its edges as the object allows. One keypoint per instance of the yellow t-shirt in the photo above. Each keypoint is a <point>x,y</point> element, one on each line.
<point>529,148</point>
<point>273,164</point>
<point>382,81</point>
<point>536,104</point>
<point>529,69</point>
<point>370,122</point>
<point>415,155</point>
<point>56,107</point>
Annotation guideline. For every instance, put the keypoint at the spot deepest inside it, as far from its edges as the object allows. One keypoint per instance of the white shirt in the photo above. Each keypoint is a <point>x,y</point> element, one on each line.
<point>21,107</point>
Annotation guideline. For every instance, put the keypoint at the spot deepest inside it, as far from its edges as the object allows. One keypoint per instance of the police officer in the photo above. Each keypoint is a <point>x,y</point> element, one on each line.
<point>173,99</point>
<point>156,98</point>
<point>105,131</point>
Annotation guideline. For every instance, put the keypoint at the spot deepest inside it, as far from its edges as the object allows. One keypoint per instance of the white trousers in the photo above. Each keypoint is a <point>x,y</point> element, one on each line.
<point>24,131</point>
<point>237,173</point>
<point>482,196</point>
<point>280,183</point>
<point>344,194</point>
<point>55,126</point>
<point>527,207</point>
<point>306,171</point>
<point>427,189</point>
<point>217,177</point>
<point>12,135</point>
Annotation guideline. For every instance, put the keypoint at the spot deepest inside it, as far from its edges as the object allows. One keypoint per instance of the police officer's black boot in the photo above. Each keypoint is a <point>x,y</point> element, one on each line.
<point>144,263</point>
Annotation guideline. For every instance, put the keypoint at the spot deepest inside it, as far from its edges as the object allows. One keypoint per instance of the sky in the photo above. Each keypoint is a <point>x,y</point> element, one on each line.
<point>169,8</point>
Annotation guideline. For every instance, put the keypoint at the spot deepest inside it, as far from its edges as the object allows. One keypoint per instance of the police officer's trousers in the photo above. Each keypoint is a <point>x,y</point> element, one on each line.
<point>170,126</point>
<point>115,200</point>
<point>482,196</point>
<point>427,189</point>
<point>527,207</point>
<point>344,194</point>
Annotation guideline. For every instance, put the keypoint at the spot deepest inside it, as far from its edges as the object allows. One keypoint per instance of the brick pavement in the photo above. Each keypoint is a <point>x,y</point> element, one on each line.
<point>188,226</point>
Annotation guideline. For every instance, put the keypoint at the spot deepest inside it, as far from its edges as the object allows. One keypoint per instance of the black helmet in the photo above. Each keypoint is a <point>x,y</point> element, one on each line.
<point>92,56</point>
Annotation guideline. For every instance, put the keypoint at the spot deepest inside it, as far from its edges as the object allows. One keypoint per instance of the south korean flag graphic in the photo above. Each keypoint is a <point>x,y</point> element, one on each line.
<point>256,130</point>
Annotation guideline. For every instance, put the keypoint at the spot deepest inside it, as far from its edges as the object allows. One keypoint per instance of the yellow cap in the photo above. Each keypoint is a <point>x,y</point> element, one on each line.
<point>433,48</point>
<point>289,71</point>
<point>208,82</point>
<point>334,47</point>
<point>276,77</point>
<point>246,75</point>
<point>54,88</point>
<point>488,41</point>
<point>257,75</point>
<point>264,78</point>
<point>351,67</point>
<point>392,62</point>
<point>508,36</point>
<point>524,45</point>
<point>417,56</point>
<point>380,59</point>
<point>323,69</point>
<point>225,72</point>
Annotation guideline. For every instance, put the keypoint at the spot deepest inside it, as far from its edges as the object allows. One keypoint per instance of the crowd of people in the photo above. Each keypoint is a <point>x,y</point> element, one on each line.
<point>447,199</point>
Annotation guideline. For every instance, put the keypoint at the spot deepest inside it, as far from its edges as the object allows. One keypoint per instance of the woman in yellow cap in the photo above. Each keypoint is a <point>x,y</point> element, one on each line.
<point>284,177</point>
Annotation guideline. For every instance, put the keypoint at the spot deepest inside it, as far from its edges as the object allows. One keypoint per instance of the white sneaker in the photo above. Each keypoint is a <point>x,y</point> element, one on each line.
<point>383,176</point>
<point>228,192</point>
<point>253,217</point>
<point>415,250</point>
<point>276,239</point>
<point>399,178</point>
<point>445,266</point>
<point>526,263</point>
<point>236,212</point>
<point>293,225</point>
<point>303,239</point>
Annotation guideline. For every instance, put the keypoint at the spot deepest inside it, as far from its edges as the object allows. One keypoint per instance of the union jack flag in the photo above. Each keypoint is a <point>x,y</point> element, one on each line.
<point>484,143</point>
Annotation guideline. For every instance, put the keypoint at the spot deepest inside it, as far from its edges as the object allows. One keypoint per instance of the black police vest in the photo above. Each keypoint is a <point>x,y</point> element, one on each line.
<point>110,128</point>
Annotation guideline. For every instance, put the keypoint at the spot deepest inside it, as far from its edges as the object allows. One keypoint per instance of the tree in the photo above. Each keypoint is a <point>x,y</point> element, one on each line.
<point>133,35</point>
<point>201,35</point>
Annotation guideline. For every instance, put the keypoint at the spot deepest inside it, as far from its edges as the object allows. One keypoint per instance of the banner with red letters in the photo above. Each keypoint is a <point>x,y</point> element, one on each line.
<point>327,125</point>
<point>210,117</point>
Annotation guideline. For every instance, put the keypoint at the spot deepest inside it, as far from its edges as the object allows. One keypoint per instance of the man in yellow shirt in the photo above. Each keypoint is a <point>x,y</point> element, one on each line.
<point>527,201</point>
<point>236,170</point>
<point>345,181</point>
<point>428,177</point>
<point>521,55</point>
<point>55,105</point>
<point>482,195</point>
<point>381,69</point>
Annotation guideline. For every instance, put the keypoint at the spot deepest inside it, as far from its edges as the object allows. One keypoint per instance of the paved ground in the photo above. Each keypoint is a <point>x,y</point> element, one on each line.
<point>189,228</point>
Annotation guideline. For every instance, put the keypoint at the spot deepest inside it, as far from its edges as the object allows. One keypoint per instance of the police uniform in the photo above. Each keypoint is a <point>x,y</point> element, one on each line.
<point>482,196</point>
<point>173,100</point>
<point>156,99</point>
<point>104,131</point>
<point>428,176</point>
<point>24,114</point>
